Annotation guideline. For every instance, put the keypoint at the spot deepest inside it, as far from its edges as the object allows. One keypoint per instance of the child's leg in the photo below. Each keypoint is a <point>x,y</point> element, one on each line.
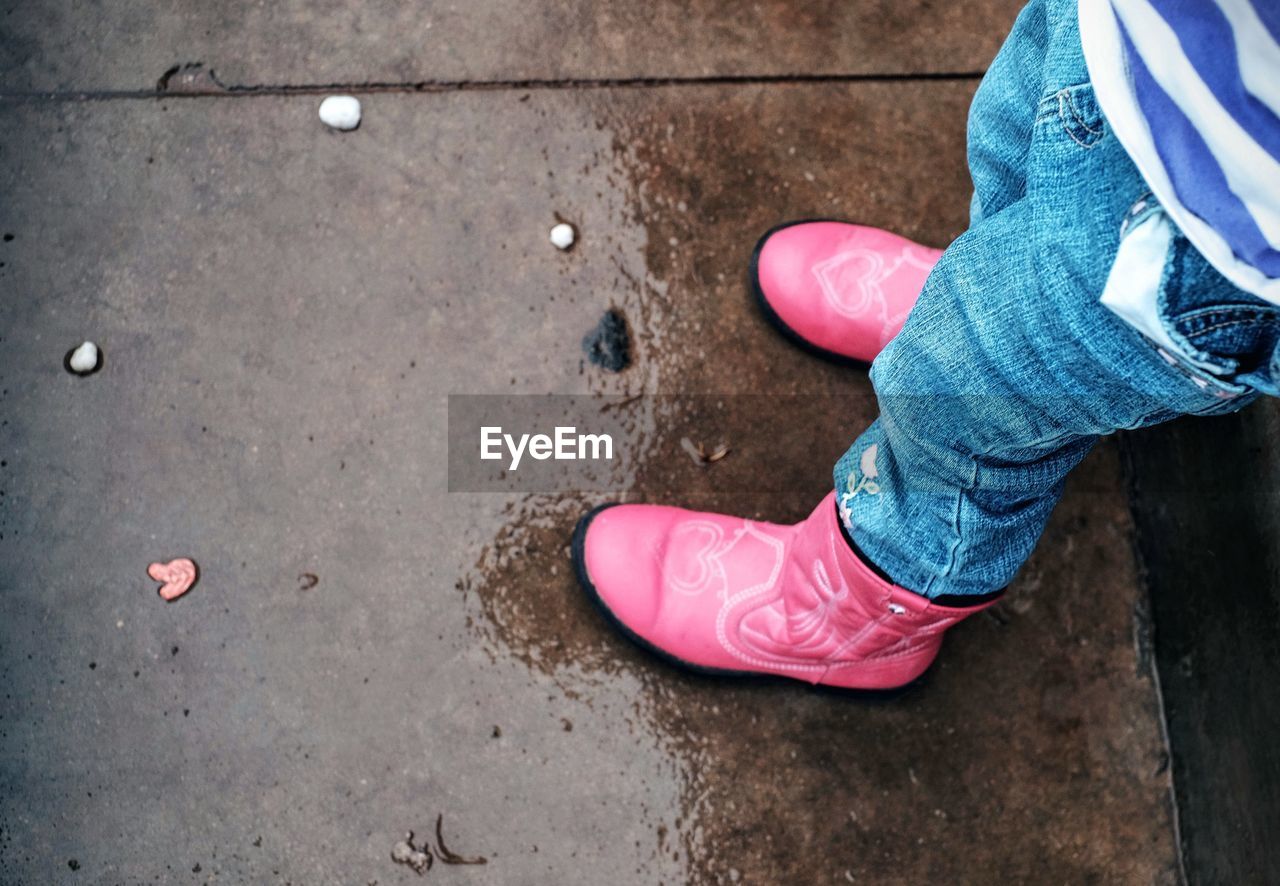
<point>1002,115</point>
<point>1009,367</point>
<point>990,395</point>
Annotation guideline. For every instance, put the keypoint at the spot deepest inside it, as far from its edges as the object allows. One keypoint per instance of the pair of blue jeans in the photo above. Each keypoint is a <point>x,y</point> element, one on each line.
<point>1009,368</point>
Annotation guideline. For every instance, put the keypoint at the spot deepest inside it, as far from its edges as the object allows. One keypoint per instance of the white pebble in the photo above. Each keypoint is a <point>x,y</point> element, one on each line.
<point>84,358</point>
<point>340,111</point>
<point>563,235</point>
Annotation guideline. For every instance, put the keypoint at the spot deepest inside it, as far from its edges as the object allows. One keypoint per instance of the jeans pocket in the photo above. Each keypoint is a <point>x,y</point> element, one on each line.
<point>1156,286</point>
<point>1234,334</point>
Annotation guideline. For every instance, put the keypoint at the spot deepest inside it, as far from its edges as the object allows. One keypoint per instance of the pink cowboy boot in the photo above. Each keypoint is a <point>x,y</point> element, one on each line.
<point>838,289</point>
<point>731,596</point>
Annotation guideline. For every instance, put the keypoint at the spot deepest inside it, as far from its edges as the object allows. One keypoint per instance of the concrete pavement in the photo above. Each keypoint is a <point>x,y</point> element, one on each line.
<point>283,312</point>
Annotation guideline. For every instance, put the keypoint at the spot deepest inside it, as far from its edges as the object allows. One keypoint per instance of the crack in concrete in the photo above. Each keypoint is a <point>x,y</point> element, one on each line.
<point>211,87</point>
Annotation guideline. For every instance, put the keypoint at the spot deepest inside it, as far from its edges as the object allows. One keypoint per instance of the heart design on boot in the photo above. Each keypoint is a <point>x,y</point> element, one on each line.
<point>698,543</point>
<point>863,282</point>
<point>851,281</point>
<point>176,577</point>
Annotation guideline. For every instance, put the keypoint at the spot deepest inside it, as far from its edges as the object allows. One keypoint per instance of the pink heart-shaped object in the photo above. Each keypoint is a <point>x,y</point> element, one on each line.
<point>177,576</point>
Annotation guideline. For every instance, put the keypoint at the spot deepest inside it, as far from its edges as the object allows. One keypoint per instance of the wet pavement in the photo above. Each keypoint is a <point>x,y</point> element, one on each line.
<point>283,313</point>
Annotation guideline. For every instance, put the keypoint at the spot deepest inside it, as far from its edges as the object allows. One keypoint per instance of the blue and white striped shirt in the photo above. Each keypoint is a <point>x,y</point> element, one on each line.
<point>1191,89</point>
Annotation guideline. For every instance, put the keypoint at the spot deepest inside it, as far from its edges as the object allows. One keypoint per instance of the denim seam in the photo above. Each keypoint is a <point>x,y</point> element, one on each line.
<point>1066,103</point>
<point>1255,312</point>
<point>1071,135</point>
<point>1066,100</point>
<point>1194,375</point>
<point>1222,325</point>
<point>949,566</point>
<point>1049,105</point>
<point>1047,108</point>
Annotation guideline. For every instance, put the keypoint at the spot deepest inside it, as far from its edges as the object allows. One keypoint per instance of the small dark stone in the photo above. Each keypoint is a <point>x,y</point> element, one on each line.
<point>609,344</point>
<point>71,862</point>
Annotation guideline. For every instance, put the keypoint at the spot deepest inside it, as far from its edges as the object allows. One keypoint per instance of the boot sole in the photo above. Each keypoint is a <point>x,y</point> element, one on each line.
<point>771,315</point>
<point>578,547</point>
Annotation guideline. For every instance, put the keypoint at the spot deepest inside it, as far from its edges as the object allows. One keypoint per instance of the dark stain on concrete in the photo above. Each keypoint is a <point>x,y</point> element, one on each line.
<point>525,587</point>
<point>609,344</point>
